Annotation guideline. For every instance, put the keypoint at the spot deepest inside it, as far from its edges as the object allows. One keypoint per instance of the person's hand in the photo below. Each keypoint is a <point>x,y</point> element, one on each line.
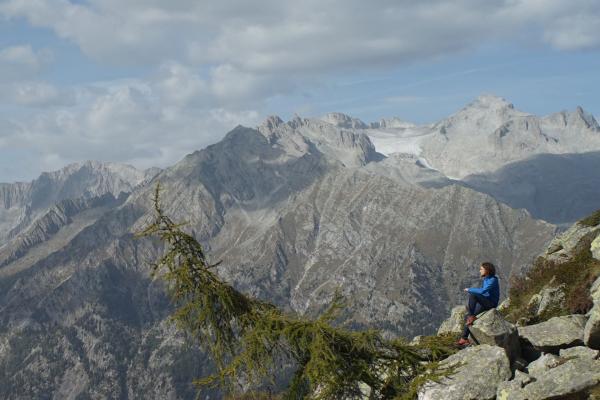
<point>465,290</point>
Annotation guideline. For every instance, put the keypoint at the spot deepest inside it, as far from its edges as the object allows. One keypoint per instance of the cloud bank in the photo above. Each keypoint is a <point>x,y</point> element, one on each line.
<point>214,64</point>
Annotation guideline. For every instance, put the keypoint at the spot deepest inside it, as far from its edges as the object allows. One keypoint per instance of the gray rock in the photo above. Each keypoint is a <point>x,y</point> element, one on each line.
<point>595,290</point>
<point>554,334</point>
<point>455,323</point>
<point>417,340</point>
<point>567,242</point>
<point>580,352</point>
<point>479,371</point>
<point>591,331</point>
<point>569,377</point>
<point>595,248</point>
<point>514,385</point>
<point>544,363</point>
<point>491,328</point>
<point>504,305</point>
<point>547,299</point>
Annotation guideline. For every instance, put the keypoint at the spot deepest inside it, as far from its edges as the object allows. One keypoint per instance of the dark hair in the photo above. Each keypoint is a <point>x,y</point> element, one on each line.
<point>489,267</point>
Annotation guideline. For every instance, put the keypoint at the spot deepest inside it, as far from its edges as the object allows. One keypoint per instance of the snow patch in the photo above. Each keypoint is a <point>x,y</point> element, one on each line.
<point>403,140</point>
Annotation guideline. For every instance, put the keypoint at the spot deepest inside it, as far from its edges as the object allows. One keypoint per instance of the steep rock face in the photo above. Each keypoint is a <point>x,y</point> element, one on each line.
<point>343,121</point>
<point>51,222</point>
<point>347,146</point>
<point>22,203</point>
<point>558,188</point>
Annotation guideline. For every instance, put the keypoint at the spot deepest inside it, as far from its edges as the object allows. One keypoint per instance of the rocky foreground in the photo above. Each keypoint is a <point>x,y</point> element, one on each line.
<point>555,358</point>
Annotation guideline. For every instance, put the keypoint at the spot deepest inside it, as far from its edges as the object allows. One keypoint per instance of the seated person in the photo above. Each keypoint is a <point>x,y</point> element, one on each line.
<point>481,299</point>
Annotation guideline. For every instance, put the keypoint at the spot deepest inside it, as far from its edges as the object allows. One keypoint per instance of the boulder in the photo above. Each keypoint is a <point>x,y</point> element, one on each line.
<point>595,290</point>
<point>544,363</point>
<point>580,352</point>
<point>548,299</point>
<point>555,334</point>
<point>417,340</point>
<point>455,323</point>
<point>562,247</point>
<point>570,377</point>
<point>479,371</point>
<point>504,305</point>
<point>491,328</point>
<point>514,385</point>
<point>595,248</point>
<point>591,331</point>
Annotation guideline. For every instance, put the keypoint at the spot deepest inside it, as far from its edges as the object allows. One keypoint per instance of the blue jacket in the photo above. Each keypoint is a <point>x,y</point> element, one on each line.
<point>490,289</point>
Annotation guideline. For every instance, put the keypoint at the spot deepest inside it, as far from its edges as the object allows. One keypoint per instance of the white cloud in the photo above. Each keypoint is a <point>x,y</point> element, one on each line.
<point>266,47</point>
<point>140,122</point>
<point>17,62</point>
<point>270,36</point>
<point>35,94</point>
<point>179,85</point>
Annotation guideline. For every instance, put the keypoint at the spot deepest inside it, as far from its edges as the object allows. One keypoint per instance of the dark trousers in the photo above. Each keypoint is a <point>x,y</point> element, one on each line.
<point>476,305</point>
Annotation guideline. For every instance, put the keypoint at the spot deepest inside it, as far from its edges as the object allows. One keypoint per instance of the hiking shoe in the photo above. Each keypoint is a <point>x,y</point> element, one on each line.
<point>463,342</point>
<point>471,319</point>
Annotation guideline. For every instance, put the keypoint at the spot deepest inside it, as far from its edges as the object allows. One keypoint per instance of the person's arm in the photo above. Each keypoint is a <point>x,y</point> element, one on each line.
<point>485,290</point>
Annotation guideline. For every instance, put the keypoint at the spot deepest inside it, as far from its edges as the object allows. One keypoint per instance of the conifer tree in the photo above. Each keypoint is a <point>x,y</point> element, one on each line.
<point>248,337</point>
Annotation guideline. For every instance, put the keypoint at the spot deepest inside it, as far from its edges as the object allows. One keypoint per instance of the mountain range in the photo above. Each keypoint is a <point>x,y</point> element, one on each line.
<point>294,210</point>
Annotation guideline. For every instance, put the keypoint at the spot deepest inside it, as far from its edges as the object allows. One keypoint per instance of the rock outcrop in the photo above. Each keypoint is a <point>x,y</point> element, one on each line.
<point>568,376</point>
<point>555,334</point>
<point>476,374</point>
<point>591,331</point>
<point>491,328</point>
<point>547,300</point>
<point>562,248</point>
<point>561,353</point>
<point>455,323</point>
<point>595,249</point>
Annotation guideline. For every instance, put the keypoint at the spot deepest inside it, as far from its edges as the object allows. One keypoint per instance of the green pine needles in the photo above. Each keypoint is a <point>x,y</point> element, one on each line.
<point>248,338</point>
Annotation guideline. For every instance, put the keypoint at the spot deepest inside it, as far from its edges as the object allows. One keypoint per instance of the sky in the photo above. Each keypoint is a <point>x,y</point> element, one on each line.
<point>147,82</point>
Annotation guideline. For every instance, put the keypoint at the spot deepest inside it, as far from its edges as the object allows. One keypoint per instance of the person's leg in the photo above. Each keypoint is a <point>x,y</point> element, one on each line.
<point>484,304</point>
<point>465,334</point>
<point>476,305</point>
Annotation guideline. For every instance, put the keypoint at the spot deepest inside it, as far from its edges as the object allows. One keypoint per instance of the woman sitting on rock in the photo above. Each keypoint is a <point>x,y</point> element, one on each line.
<point>481,299</point>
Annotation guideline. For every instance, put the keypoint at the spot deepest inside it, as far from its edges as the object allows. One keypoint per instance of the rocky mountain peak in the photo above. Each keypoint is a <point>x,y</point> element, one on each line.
<point>490,101</point>
<point>333,135</point>
<point>343,121</point>
<point>485,114</point>
<point>585,118</point>
<point>272,122</point>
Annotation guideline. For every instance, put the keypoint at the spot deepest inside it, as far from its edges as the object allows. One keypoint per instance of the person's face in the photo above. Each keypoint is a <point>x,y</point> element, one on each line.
<point>482,272</point>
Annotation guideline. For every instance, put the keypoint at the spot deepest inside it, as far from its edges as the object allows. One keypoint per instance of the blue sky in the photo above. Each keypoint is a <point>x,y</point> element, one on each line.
<point>146,82</point>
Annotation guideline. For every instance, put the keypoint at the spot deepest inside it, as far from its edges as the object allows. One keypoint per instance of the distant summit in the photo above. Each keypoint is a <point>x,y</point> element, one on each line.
<point>490,101</point>
<point>343,121</point>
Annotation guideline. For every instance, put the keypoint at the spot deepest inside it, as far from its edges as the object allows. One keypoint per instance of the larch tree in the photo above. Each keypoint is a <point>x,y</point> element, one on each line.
<point>247,338</point>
